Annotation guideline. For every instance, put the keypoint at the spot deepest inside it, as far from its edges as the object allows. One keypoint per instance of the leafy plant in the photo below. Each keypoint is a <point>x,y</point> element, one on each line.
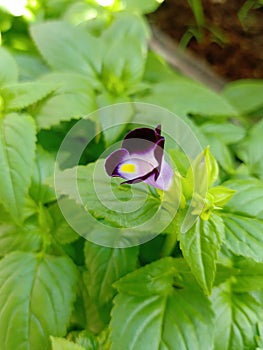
<point>201,25</point>
<point>198,283</point>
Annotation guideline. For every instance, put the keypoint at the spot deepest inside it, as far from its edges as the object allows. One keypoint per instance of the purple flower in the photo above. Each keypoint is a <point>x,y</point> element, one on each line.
<point>141,159</point>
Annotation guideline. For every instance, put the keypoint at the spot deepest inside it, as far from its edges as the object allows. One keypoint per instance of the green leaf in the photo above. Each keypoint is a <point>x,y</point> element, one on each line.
<point>157,69</point>
<point>20,95</point>
<point>181,161</point>
<point>251,151</point>
<point>87,340</point>
<point>244,235</point>
<point>245,95</point>
<point>228,133</point>
<point>62,47</point>
<point>152,279</point>
<point>74,98</point>
<point>200,246</point>
<point>247,200</point>
<point>62,231</point>
<point>221,153</point>
<point>124,54</point>
<point>136,211</point>
<point>30,66</point>
<point>143,7</point>
<point>64,344</point>
<point>13,238</point>
<point>221,195</point>
<point>167,317</point>
<point>97,316</point>
<point>110,117</point>
<point>260,337</point>
<point>37,295</point>
<point>8,68</point>
<point>17,147</point>
<point>243,218</point>
<point>202,173</point>
<point>249,277</point>
<point>104,267</point>
<point>236,318</point>
<point>123,65</point>
<point>43,168</point>
<point>126,24</point>
<point>187,97</point>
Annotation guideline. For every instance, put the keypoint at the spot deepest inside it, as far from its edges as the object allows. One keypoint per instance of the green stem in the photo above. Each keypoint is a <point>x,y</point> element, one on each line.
<point>169,244</point>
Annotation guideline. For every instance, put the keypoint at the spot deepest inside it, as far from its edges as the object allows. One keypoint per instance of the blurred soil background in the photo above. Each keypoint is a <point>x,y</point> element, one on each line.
<point>228,35</point>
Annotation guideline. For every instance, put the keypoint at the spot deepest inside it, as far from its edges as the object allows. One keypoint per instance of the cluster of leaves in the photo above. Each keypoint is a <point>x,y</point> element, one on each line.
<point>200,289</point>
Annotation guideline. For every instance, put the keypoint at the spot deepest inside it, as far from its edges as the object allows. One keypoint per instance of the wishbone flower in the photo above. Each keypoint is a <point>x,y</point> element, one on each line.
<point>141,158</point>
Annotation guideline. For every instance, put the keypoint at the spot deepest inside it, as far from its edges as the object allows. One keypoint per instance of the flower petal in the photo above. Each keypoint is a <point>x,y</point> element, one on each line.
<point>133,168</point>
<point>141,140</point>
<point>164,180</point>
<point>141,159</point>
<point>158,154</point>
<point>114,159</point>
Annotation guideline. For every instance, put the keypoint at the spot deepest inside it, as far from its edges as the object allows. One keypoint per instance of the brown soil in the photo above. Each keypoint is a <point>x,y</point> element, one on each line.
<point>233,49</point>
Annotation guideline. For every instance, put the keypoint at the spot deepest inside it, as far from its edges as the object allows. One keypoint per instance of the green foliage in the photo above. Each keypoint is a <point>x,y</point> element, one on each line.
<point>236,318</point>
<point>245,95</point>
<point>76,270</point>
<point>17,148</point>
<point>200,247</point>
<point>163,312</point>
<point>31,284</point>
<point>63,344</point>
<point>9,69</point>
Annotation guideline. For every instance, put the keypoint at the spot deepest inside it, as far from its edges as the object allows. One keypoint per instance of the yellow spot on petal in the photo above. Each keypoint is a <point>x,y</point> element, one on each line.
<point>128,168</point>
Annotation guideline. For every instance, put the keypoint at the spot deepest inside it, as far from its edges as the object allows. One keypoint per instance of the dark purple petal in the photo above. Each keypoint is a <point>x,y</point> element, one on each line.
<point>114,159</point>
<point>141,140</point>
<point>140,178</point>
<point>158,154</point>
<point>158,130</point>
<point>141,159</point>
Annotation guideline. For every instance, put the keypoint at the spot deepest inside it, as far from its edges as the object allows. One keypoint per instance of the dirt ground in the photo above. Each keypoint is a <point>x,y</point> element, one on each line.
<point>233,47</point>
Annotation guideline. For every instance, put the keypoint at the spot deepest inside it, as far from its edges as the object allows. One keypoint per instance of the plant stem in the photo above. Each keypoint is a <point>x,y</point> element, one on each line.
<point>169,244</point>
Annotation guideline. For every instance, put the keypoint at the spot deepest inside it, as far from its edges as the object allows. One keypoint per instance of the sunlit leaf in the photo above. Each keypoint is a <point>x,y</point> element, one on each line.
<point>17,148</point>
<point>200,246</point>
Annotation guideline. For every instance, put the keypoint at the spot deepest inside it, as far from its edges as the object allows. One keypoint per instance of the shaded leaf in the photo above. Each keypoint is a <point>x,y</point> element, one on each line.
<point>104,267</point>
<point>43,168</point>
<point>62,231</point>
<point>251,151</point>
